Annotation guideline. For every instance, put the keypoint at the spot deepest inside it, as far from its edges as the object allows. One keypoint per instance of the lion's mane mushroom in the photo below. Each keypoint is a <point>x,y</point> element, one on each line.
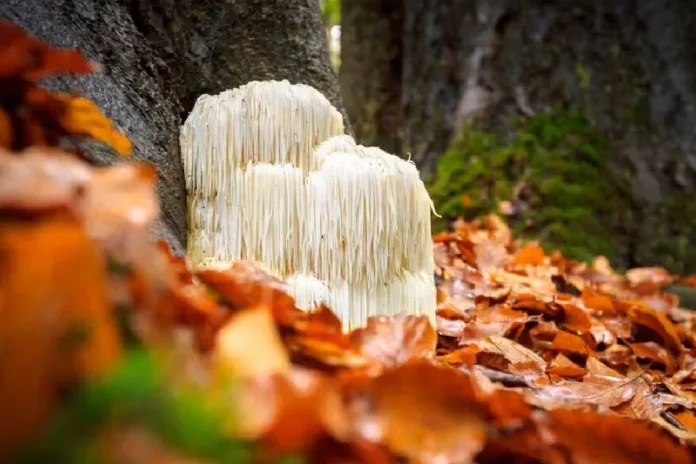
<point>271,177</point>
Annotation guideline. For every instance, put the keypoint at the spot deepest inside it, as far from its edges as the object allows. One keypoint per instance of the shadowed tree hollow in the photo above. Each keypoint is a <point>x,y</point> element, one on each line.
<point>158,56</point>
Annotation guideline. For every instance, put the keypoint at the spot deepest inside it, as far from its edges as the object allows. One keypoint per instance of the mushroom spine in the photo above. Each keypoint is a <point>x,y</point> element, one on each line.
<point>271,177</point>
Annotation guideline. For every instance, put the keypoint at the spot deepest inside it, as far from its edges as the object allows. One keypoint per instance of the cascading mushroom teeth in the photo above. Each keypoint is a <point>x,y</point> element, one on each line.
<point>272,178</point>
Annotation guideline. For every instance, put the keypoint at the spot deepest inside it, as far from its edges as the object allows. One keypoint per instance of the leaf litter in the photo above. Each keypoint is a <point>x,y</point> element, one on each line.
<point>112,348</point>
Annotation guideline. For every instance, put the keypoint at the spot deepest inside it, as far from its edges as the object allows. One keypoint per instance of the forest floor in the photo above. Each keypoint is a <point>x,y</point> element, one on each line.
<point>111,350</point>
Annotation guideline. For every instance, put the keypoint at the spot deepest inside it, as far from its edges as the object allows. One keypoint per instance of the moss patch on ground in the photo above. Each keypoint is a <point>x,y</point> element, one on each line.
<point>556,175</point>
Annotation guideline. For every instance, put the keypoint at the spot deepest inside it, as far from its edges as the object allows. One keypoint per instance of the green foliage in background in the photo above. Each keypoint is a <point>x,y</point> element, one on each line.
<point>331,12</point>
<point>556,173</point>
<point>136,394</point>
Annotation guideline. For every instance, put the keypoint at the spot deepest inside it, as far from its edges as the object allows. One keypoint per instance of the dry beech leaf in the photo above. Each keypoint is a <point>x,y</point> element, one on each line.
<point>529,255</point>
<point>6,136</point>
<point>657,322</point>
<point>598,368</point>
<point>512,351</point>
<point>83,117</point>
<point>287,413</point>
<point>569,344</point>
<point>575,319</point>
<point>598,303</point>
<point>655,353</point>
<point>251,329</point>
<point>620,440</point>
<point>425,413</point>
<point>121,198</point>
<point>24,56</point>
<point>493,321</point>
<point>564,367</point>
<point>396,340</point>
<point>57,325</point>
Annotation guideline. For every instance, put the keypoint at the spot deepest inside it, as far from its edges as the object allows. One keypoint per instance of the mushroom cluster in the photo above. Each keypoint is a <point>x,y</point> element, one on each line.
<point>272,178</point>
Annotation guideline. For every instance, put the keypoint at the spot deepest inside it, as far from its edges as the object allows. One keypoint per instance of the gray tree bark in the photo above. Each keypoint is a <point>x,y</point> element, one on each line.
<point>160,55</point>
<point>371,69</point>
<point>628,64</point>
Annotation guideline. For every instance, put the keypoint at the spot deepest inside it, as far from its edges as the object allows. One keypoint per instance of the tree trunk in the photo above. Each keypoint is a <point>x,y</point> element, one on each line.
<point>371,69</point>
<point>437,50</point>
<point>627,64</point>
<point>160,55</point>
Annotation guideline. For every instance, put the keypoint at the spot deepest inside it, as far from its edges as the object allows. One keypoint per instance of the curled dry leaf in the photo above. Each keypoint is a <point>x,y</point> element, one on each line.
<point>395,340</point>
<point>424,413</point>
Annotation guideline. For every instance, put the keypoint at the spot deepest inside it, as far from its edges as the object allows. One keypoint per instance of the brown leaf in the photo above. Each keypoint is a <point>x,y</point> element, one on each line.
<point>655,353</point>
<point>251,329</point>
<point>574,318</point>
<point>24,56</point>
<point>396,340</point>
<point>512,351</point>
<point>622,441</point>
<point>564,367</point>
<point>569,344</point>
<point>57,325</point>
<point>494,321</point>
<point>83,117</point>
<point>593,390</point>
<point>6,137</point>
<point>598,303</point>
<point>423,413</point>
<point>529,255</point>
<point>642,315</point>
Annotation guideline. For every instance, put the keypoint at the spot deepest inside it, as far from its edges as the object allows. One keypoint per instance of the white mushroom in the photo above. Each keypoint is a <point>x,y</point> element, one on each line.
<point>271,177</point>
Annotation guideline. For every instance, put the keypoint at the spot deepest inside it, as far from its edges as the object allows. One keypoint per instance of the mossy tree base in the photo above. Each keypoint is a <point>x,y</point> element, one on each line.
<point>556,182</point>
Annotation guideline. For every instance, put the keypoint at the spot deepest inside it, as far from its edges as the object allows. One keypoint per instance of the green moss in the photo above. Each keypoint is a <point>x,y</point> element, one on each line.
<point>555,170</point>
<point>667,231</point>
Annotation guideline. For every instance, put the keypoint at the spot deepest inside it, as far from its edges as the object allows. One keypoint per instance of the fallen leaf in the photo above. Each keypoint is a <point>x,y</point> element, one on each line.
<point>512,351</point>
<point>395,340</point>
<point>529,255</point>
<point>251,329</point>
<point>27,57</point>
<point>569,344</point>
<point>564,367</point>
<point>431,421</point>
<point>57,325</point>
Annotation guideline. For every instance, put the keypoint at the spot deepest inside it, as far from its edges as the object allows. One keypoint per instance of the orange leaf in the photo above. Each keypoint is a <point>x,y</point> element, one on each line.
<point>397,339</point>
<point>655,353</point>
<point>601,304</point>
<point>575,319</point>
<point>424,413</point>
<point>642,315</point>
<point>529,255</point>
<point>6,137</point>
<point>251,329</point>
<point>57,324</point>
<point>24,56</point>
<point>569,344</point>
<point>83,117</point>
<point>564,367</point>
